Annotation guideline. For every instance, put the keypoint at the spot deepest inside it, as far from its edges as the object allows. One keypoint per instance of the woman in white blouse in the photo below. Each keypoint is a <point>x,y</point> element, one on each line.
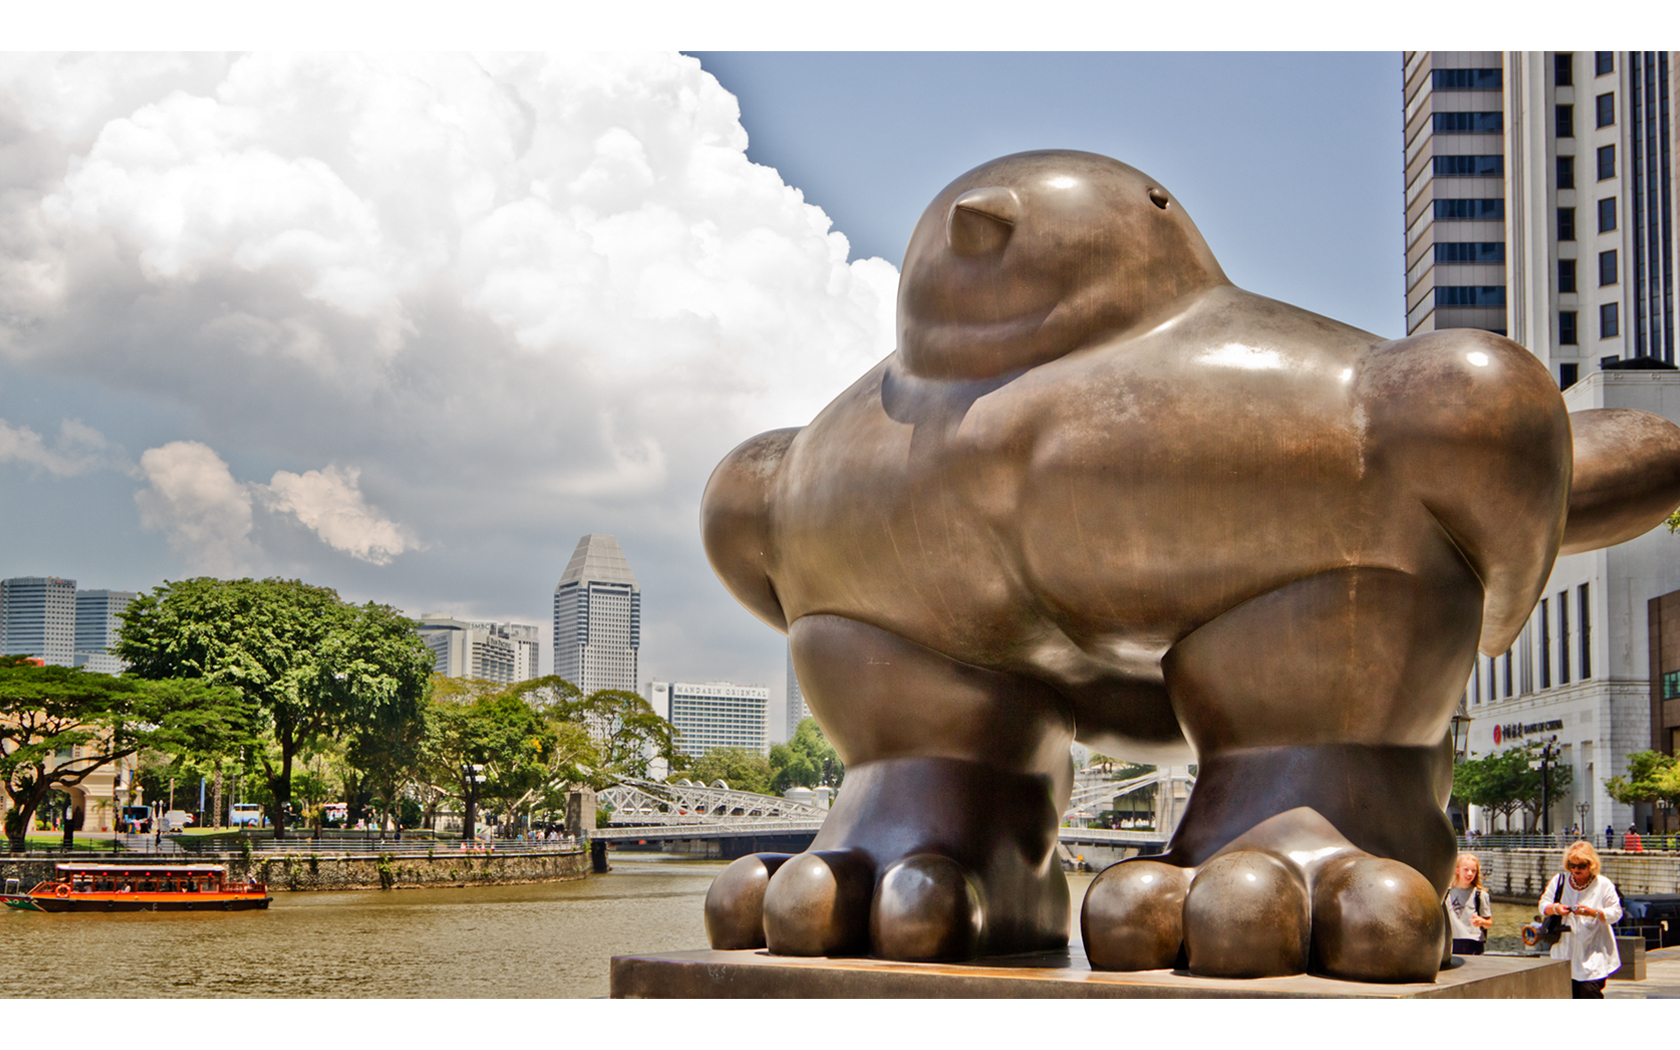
<point>1589,904</point>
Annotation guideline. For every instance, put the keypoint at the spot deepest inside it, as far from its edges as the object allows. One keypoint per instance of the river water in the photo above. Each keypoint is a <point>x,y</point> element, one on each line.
<point>535,941</point>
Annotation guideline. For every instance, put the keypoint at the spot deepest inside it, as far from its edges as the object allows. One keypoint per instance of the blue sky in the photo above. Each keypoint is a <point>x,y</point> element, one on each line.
<point>408,327</point>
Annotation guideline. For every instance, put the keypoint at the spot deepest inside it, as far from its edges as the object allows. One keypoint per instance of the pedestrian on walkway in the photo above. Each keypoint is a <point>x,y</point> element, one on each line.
<point>1589,905</point>
<point>1632,842</point>
<point>1469,909</point>
<point>1609,836</point>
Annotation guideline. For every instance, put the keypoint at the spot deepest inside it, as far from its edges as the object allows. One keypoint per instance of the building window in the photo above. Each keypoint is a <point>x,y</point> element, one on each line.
<point>1471,208</point>
<point>1671,685</point>
<point>1604,63</point>
<point>1609,321</point>
<point>1565,121</point>
<point>1470,165</point>
<point>1566,328</point>
<point>1606,214</point>
<point>1606,268</point>
<point>1566,278</point>
<point>1467,79</point>
<point>1545,644</point>
<point>1563,68</point>
<point>1486,253</point>
<point>1607,109</point>
<point>1606,162</point>
<point>1565,173</point>
<point>1469,123</point>
<point>1563,637</point>
<point>1566,224</point>
<point>1508,682</point>
<point>1581,608</point>
<point>1568,374</point>
<point>1470,295</point>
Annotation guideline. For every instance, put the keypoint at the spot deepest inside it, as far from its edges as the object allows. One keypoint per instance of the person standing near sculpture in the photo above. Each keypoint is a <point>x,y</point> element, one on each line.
<point>1469,909</point>
<point>1590,906</point>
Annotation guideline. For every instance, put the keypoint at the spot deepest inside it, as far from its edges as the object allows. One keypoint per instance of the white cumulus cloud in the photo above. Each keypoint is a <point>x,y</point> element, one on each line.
<point>330,502</point>
<point>79,449</point>
<point>526,296</point>
<point>194,501</point>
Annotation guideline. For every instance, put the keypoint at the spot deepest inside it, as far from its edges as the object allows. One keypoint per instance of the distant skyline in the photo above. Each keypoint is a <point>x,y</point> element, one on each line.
<point>409,326</point>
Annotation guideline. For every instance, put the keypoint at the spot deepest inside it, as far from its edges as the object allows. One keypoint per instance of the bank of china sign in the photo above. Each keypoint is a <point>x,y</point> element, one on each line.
<point>1516,729</point>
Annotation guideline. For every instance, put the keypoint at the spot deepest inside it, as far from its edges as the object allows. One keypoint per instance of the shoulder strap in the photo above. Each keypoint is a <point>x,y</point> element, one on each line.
<point>1557,887</point>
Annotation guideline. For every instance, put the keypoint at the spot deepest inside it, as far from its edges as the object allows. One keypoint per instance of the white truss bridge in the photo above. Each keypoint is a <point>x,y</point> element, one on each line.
<point>648,809</point>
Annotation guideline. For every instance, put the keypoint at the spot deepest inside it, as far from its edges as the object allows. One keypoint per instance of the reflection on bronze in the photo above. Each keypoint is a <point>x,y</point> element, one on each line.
<point>1100,492</point>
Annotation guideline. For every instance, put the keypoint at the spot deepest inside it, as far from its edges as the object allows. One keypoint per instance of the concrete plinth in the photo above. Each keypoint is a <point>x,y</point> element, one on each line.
<point>1045,975</point>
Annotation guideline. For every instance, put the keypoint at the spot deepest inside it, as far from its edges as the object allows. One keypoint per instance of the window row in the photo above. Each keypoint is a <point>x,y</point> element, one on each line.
<point>1566,219</point>
<point>1515,673</point>
<point>1469,123</point>
<point>1470,165</point>
<point>1467,79</point>
<point>1470,208</point>
<point>1470,295</point>
<point>1609,327</point>
<point>1606,271</point>
<point>1471,252</point>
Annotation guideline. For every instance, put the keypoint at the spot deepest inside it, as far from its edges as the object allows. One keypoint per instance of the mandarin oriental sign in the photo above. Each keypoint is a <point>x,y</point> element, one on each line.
<point>1516,729</point>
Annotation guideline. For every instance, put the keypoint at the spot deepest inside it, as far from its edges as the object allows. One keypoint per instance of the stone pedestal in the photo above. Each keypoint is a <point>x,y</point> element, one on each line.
<point>1045,975</point>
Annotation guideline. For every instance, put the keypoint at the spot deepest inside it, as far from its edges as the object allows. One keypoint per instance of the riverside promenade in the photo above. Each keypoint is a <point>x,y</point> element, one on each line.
<point>306,868</point>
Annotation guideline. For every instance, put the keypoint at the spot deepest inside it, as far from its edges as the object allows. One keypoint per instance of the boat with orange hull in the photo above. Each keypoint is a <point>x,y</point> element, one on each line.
<point>140,887</point>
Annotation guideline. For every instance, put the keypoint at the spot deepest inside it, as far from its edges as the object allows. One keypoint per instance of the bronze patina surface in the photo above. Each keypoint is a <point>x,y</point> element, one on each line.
<point>1100,493</point>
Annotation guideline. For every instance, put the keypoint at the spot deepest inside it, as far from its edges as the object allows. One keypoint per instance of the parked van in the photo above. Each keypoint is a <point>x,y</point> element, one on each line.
<point>177,820</point>
<point>245,815</point>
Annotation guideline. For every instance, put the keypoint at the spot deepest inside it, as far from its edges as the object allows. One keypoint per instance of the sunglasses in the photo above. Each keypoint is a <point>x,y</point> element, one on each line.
<point>1580,867</point>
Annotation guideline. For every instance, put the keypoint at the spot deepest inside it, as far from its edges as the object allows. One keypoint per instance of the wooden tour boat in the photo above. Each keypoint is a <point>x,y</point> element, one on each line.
<point>140,887</point>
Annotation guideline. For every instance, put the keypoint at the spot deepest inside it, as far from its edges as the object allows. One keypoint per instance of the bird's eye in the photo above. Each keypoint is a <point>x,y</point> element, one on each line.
<point>1159,196</point>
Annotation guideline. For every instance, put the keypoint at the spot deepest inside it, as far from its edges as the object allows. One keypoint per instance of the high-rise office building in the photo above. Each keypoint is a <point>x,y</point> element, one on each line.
<point>38,618</point>
<point>1539,201</point>
<point>1540,194</point>
<point>597,618</point>
<point>714,714</point>
<point>797,710</point>
<point>97,625</point>
<point>504,653</point>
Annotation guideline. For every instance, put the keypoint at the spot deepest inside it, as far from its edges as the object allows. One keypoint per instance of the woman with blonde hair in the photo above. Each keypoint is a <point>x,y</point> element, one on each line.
<point>1469,910</point>
<point>1589,904</point>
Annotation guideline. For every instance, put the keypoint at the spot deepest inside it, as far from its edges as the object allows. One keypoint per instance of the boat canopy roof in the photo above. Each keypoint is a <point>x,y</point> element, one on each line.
<point>136,869</point>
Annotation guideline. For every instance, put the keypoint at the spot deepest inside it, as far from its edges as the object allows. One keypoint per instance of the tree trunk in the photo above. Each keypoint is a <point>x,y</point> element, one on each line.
<point>469,819</point>
<point>281,788</point>
<point>216,798</point>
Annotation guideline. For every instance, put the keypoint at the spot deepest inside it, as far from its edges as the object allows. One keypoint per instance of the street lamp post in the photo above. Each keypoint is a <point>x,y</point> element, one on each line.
<point>1548,751</point>
<point>1581,808</point>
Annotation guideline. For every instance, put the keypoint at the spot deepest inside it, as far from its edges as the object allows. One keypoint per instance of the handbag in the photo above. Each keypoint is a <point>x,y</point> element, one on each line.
<point>1550,930</point>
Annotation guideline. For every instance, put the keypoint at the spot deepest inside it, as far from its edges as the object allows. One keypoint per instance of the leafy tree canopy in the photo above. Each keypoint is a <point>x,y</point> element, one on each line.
<point>1651,776</point>
<point>1504,783</point>
<point>741,769</point>
<point>807,760</point>
<point>59,724</point>
<point>314,666</point>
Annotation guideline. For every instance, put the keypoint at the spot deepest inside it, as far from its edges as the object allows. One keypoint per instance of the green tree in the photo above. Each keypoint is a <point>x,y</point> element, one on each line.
<point>741,769</point>
<point>1652,776</point>
<point>495,748</point>
<point>807,760</point>
<point>314,666</point>
<point>387,754</point>
<point>626,732</point>
<point>59,724</point>
<point>1510,780</point>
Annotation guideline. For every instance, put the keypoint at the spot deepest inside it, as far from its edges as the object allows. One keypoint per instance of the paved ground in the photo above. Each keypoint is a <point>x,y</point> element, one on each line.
<point>1662,978</point>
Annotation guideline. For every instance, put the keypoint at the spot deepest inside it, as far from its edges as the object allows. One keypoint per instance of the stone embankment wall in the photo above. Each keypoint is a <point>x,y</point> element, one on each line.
<point>1522,874</point>
<point>354,871</point>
